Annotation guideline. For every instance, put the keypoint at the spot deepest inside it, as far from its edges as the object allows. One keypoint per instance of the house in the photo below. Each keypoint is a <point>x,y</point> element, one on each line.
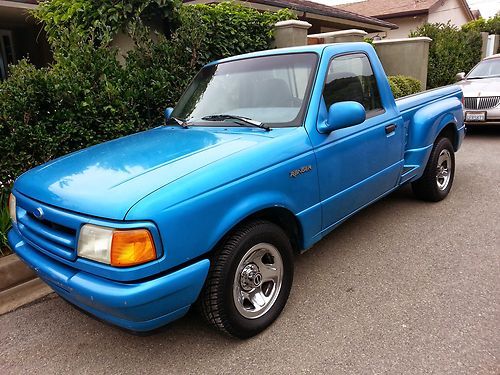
<point>20,35</point>
<point>323,18</point>
<point>410,14</point>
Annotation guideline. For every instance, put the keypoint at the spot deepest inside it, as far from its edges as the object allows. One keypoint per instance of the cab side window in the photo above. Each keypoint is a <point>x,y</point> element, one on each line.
<point>351,78</point>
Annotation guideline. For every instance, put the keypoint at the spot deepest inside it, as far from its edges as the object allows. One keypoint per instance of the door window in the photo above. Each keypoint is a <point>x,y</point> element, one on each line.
<point>351,78</point>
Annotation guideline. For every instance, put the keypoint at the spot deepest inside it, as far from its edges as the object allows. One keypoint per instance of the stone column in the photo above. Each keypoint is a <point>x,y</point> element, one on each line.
<point>343,36</point>
<point>290,33</point>
<point>484,46</point>
<point>407,56</point>
<point>496,44</point>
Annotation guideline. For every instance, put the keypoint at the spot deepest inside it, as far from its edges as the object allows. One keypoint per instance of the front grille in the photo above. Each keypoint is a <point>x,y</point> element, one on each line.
<point>46,234</point>
<point>486,102</point>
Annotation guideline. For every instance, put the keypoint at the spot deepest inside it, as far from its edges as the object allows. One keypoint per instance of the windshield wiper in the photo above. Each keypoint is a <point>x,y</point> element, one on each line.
<point>246,120</point>
<point>181,122</point>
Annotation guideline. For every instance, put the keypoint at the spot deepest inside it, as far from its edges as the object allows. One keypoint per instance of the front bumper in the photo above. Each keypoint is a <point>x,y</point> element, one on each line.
<point>138,306</point>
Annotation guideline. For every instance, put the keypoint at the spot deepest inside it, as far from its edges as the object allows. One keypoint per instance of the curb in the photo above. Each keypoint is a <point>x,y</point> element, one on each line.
<point>19,284</point>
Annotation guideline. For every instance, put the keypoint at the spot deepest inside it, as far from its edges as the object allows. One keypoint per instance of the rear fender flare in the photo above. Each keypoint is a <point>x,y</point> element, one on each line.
<point>429,121</point>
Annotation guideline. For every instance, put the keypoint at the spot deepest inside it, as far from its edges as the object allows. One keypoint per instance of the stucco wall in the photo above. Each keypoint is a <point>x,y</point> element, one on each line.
<point>408,57</point>
<point>448,10</point>
<point>442,12</point>
<point>406,24</point>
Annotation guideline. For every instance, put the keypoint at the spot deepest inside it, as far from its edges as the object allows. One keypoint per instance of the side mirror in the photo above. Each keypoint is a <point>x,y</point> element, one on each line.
<point>460,77</point>
<point>342,115</point>
<point>168,113</point>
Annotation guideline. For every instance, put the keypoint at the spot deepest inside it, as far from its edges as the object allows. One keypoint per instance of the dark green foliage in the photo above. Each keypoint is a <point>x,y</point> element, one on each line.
<point>99,21</point>
<point>403,85</point>
<point>4,224</point>
<point>451,51</point>
<point>491,25</point>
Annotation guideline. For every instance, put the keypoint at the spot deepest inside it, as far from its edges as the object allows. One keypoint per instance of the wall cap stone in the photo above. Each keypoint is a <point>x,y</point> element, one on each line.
<point>330,34</point>
<point>293,23</point>
<point>404,40</point>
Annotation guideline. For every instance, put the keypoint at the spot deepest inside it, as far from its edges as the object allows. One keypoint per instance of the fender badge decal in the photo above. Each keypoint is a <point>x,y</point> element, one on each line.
<point>297,172</point>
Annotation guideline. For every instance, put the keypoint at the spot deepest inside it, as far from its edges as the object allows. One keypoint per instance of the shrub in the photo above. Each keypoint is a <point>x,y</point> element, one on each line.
<point>99,21</point>
<point>403,85</point>
<point>491,25</point>
<point>451,51</point>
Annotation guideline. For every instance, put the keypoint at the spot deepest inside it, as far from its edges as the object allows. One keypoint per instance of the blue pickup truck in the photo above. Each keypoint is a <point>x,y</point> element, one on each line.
<point>263,155</point>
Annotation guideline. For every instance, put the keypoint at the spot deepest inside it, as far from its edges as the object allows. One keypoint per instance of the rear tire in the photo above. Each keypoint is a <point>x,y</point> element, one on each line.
<point>437,179</point>
<point>249,280</point>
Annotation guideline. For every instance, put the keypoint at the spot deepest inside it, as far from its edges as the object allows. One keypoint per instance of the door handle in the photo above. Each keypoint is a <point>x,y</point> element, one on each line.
<point>390,128</point>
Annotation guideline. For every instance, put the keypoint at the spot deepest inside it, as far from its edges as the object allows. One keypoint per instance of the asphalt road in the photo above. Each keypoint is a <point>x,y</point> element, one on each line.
<point>402,287</point>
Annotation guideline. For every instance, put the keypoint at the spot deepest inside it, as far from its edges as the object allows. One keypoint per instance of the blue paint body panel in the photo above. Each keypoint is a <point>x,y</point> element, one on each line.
<point>190,187</point>
<point>139,306</point>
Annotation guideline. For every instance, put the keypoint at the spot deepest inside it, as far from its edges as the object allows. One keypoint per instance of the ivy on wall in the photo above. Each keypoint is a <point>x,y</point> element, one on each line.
<point>99,21</point>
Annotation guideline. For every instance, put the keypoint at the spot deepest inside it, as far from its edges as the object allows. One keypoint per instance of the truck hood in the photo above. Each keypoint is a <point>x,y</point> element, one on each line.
<point>481,87</point>
<point>107,179</point>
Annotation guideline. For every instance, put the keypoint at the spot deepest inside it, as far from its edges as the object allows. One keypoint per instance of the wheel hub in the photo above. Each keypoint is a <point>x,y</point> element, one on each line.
<point>257,281</point>
<point>250,277</point>
<point>443,171</point>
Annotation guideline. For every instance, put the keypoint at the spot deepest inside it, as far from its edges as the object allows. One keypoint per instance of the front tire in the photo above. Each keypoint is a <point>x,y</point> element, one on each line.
<point>249,280</point>
<point>437,179</point>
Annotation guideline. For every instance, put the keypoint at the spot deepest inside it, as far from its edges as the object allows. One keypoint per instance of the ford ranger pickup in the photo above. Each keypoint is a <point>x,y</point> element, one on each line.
<point>263,155</point>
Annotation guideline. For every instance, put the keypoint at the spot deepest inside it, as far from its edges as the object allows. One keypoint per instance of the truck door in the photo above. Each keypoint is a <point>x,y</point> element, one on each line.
<point>358,164</point>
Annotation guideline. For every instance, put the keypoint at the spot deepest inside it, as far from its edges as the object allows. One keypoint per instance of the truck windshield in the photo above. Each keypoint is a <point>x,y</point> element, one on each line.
<point>486,68</point>
<point>273,90</point>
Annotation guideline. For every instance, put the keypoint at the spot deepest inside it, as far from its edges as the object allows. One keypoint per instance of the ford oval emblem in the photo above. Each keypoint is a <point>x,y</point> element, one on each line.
<point>38,213</point>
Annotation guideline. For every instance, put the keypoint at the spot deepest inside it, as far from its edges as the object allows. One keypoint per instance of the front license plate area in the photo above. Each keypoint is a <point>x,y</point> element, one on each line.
<point>475,116</point>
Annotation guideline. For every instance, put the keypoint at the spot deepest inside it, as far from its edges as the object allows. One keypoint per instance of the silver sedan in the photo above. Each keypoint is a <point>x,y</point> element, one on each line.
<point>481,89</point>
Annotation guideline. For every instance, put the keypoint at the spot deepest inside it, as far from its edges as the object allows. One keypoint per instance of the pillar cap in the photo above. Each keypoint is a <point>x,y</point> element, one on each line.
<point>293,23</point>
<point>424,39</point>
<point>349,32</point>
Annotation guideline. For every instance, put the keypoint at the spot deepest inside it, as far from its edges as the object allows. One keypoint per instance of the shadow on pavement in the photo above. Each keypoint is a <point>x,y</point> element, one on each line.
<point>484,130</point>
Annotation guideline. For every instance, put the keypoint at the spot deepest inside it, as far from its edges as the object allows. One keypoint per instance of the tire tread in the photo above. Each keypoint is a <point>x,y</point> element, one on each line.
<point>211,301</point>
<point>425,187</point>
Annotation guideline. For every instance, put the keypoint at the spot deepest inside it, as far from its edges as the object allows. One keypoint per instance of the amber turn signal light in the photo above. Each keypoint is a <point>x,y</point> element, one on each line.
<point>132,247</point>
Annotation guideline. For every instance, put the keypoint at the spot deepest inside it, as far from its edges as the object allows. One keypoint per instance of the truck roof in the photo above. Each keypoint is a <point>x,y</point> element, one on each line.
<point>315,48</point>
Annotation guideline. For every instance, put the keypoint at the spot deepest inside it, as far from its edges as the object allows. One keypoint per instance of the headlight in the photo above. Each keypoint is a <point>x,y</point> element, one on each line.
<point>116,247</point>
<point>12,208</point>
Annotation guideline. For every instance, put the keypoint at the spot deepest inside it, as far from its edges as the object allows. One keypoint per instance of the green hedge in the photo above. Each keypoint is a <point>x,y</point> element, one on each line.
<point>451,51</point>
<point>491,25</point>
<point>403,85</point>
<point>100,20</point>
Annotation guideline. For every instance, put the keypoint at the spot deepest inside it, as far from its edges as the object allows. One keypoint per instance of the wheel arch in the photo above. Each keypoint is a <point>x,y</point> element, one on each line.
<point>278,215</point>
<point>435,120</point>
<point>450,131</point>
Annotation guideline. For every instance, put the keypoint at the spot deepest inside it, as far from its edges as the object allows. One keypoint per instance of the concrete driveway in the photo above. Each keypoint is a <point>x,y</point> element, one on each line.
<point>402,287</point>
